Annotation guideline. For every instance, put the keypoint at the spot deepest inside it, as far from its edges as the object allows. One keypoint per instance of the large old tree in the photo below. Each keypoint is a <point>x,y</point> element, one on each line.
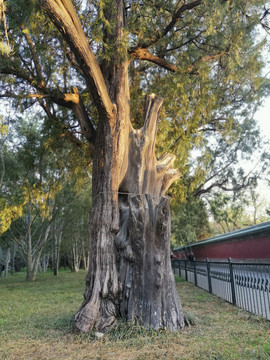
<point>88,65</point>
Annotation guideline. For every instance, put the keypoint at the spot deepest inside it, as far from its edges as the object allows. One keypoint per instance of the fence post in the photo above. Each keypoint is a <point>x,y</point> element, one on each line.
<point>172,264</point>
<point>232,281</point>
<point>179,267</point>
<point>209,276</point>
<point>186,270</point>
<point>195,272</point>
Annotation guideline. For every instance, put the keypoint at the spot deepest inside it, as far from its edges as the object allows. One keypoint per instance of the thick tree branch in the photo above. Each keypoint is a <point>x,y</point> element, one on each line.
<point>144,54</point>
<point>203,59</point>
<point>82,116</point>
<point>64,16</point>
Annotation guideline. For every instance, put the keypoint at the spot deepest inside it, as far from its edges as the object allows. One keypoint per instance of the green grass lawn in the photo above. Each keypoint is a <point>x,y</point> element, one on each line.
<point>36,323</point>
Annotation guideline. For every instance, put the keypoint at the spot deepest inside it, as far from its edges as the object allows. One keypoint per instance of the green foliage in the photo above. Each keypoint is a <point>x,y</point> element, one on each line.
<point>210,108</point>
<point>232,212</point>
<point>21,11</point>
<point>3,127</point>
<point>5,49</point>
<point>189,222</point>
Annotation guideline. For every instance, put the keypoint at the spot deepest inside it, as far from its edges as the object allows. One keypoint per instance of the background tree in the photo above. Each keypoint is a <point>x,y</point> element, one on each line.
<point>202,57</point>
<point>190,222</point>
<point>33,190</point>
<point>235,211</point>
<point>26,187</point>
<point>75,244</point>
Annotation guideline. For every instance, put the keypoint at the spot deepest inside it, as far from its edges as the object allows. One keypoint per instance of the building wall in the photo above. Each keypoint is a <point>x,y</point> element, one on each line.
<point>244,248</point>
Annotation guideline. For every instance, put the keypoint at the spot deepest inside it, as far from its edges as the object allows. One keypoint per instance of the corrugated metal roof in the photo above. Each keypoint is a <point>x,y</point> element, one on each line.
<point>250,230</point>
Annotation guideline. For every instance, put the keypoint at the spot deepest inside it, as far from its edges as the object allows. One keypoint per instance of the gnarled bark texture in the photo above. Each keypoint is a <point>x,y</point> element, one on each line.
<point>148,293</point>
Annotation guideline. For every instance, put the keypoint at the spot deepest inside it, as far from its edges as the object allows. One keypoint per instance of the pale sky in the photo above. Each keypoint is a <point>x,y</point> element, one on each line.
<point>263,118</point>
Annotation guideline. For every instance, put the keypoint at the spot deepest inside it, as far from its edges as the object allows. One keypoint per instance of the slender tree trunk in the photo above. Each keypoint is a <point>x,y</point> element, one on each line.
<point>35,265</point>
<point>13,258</point>
<point>75,255</point>
<point>7,261</point>
<point>34,253</point>
<point>56,244</point>
<point>85,256</point>
<point>44,263</point>
<point>29,259</point>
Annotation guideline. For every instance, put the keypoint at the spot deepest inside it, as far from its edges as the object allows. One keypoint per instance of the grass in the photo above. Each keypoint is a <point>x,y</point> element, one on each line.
<point>36,323</point>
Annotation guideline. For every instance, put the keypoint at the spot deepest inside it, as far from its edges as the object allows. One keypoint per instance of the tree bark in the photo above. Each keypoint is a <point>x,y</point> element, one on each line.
<point>148,294</point>
<point>130,273</point>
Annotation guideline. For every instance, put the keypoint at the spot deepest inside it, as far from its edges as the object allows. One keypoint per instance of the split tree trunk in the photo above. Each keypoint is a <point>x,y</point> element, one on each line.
<point>130,271</point>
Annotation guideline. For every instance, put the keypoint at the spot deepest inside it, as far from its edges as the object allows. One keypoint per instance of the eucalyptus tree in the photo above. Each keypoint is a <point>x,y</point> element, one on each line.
<point>90,73</point>
<point>36,187</point>
<point>75,244</point>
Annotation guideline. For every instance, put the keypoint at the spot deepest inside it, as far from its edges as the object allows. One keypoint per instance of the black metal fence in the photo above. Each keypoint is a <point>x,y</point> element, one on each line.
<point>246,285</point>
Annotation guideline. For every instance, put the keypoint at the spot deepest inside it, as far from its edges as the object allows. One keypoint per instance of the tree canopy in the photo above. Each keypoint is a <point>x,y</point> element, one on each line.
<point>203,57</point>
